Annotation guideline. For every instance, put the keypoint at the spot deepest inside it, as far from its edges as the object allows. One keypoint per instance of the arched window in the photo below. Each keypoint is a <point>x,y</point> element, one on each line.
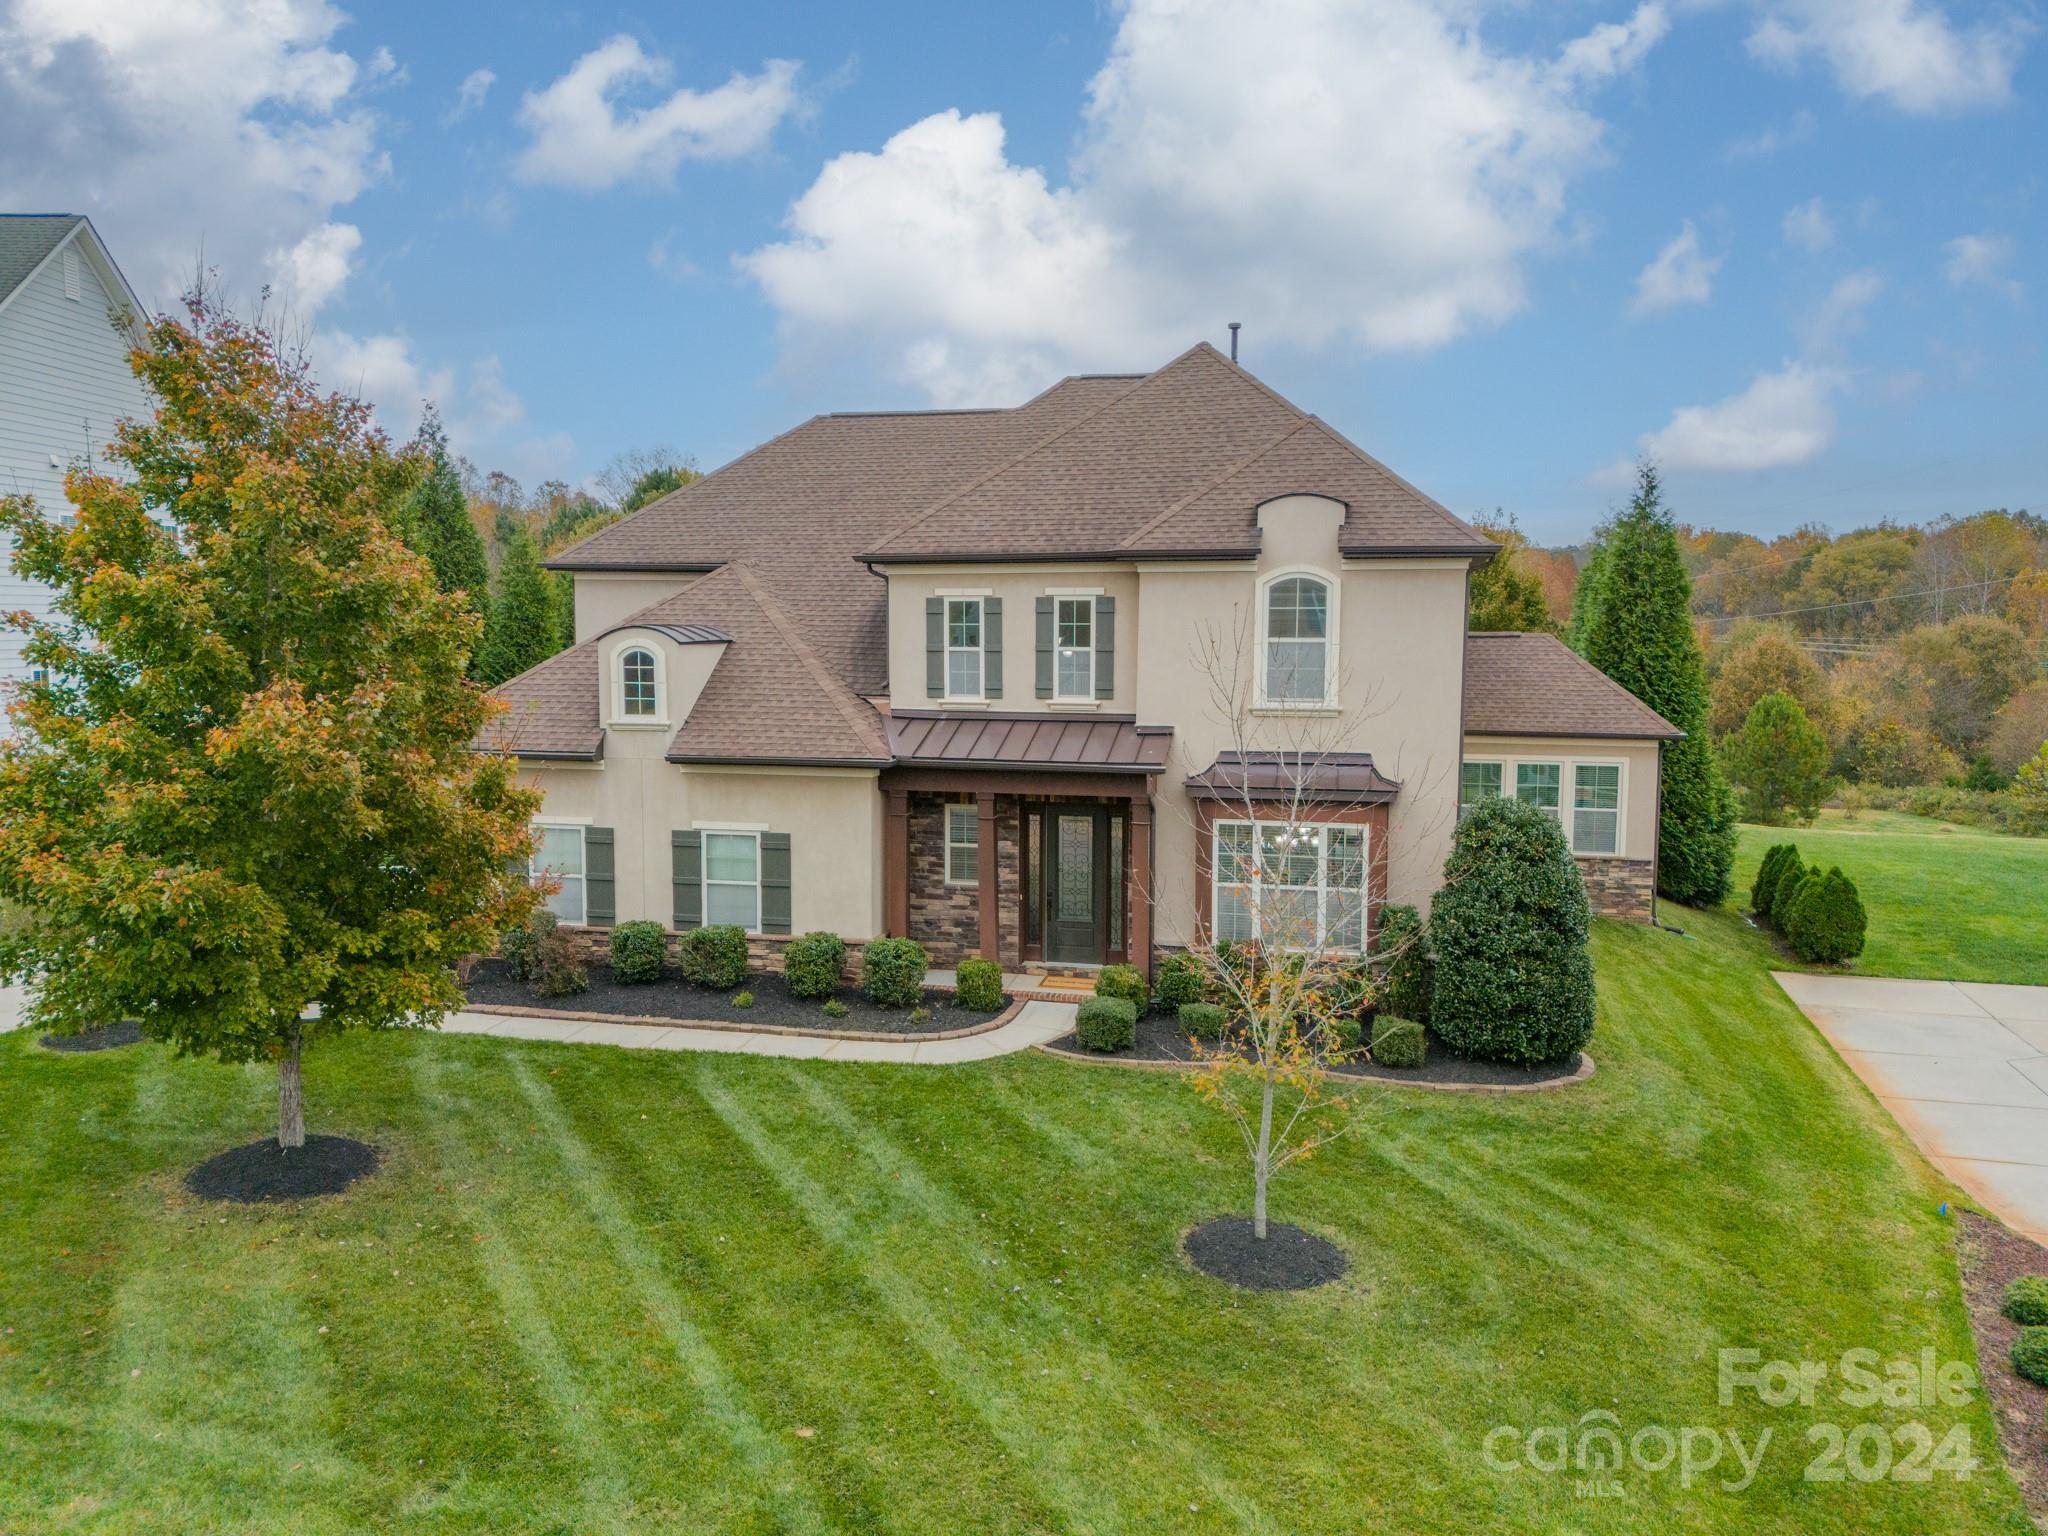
<point>636,683</point>
<point>1297,629</point>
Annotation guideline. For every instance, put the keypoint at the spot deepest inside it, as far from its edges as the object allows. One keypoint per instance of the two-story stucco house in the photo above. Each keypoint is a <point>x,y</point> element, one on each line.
<point>953,674</point>
<point>67,320</point>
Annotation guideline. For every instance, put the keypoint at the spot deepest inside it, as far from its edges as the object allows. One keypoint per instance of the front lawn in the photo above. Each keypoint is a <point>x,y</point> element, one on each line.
<point>1954,903</point>
<point>599,1290</point>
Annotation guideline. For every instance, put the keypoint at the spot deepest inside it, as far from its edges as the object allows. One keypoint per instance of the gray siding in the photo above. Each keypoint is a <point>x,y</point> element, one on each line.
<point>64,382</point>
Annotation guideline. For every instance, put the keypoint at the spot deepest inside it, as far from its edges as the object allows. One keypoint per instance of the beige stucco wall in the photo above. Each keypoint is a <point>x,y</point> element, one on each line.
<point>605,598</point>
<point>1638,761</point>
<point>1019,588</point>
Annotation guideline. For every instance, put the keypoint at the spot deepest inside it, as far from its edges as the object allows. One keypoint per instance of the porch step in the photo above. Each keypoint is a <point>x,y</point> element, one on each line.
<point>1064,986</point>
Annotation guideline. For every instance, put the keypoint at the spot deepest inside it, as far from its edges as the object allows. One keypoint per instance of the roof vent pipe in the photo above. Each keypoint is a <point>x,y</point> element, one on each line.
<point>1233,338</point>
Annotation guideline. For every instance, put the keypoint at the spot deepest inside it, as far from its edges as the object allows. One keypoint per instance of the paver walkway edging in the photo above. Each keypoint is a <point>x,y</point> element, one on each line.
<point>729,1026</point>
<point>1147,1064</point>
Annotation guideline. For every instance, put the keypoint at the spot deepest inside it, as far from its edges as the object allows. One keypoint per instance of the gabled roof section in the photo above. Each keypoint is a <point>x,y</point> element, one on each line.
<point>1532,684</point>
<point>29,241</point>
<point>552,710</point>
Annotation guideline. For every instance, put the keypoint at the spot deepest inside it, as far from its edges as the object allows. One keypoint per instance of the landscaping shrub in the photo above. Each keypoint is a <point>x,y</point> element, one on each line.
<point>979,985</point>
<point>1203,1021</point>
<point>813,964</point>
<point>519,946</point>
<point>2026,1300</point>
<point>1245,965</point>
<point>2030,1355</point>
<point>637,951</point>
<point>1344,1035</point>
<point>1514,979</point>
<point>1126,982</point>
<point>920,1015</point>
<point>558,964</point>
<point>1398,1042</point>
<point>743,999</point>
<point>1180,979</point>
<point>1107,1024</point>
<point>835,1009</point>
<point>715,956</point>
<point>1779,759</point>
<point>1402,962</point>
<point>1826,922</point>
<point>892,972</point>
<point>1765,885</point>
<point>1790,873</point>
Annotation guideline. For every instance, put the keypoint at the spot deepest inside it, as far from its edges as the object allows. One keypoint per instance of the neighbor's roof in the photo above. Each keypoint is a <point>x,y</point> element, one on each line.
<point>27,240</point>
<point>1293,775</point>
<point>1043,743</point>
<point>1532,684</point>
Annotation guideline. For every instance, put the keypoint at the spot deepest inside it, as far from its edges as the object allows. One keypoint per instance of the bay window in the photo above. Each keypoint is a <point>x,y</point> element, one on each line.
<point>1289,885</point>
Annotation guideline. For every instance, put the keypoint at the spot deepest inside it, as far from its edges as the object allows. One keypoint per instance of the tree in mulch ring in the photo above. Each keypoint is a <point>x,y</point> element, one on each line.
<point>1286,1259</point>
<point>105,1038</point>
<point>264,1171</point>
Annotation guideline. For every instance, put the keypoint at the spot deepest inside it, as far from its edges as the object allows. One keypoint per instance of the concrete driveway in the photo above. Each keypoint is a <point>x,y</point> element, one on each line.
<point>1962,1065</point>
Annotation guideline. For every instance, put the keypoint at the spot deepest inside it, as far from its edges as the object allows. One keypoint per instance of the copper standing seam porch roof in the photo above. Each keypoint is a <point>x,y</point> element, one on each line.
<point>1293,775</point>
<point>1047,744</point>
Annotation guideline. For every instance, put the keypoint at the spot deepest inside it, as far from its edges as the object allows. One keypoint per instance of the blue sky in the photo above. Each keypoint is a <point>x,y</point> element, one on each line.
<point>1791,247</point>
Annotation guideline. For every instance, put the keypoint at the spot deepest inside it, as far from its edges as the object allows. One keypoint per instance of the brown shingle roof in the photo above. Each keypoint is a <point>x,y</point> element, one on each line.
<point>553,709</point>
<point>1534,685</point>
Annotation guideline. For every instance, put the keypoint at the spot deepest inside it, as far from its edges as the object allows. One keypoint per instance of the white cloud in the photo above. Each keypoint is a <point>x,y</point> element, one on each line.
<point>1681,274</point>
<point>1762,146</point>
<point>1905,52</point>
<point>469,95</point>
<point>484,415</point>
<point>1840,315</point>
<point>1375,175</point>
<point>1980,261</point>
<point>1809,227</point>
<point>581,137</point>
<point>1783,418</point>
<point>224,125</point>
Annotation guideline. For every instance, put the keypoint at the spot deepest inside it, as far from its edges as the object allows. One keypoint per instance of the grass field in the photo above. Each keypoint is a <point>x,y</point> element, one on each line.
<point>1944,901</point>
<point>594,1290</point>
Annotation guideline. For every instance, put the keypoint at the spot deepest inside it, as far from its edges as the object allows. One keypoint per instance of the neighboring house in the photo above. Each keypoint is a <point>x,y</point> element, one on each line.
<point>67,320</point>
<point>936,673</point>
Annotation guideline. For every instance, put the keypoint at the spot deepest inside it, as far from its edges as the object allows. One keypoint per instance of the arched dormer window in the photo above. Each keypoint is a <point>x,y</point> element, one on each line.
<point>1297,627</point>
<point>639,691</point>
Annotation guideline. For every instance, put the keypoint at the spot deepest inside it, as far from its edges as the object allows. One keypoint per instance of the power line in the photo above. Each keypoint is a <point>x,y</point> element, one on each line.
<point>1982,587</point>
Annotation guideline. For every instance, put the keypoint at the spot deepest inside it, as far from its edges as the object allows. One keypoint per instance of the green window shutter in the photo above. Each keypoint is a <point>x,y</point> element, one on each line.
<point>600,887</point>
<point>688,849</point>
<point>992,647</point>
<point>775,882</point>
<point>1045,647</point>
<point>935,647</point>
<point>1105,647</point>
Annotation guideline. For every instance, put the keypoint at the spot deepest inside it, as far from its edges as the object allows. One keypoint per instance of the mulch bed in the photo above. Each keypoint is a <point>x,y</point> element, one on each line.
<point>1289,1259</point>
<point>1160,1038</point>
<point>105,1038</point>
<point>492,982</point>
<point>262,1170</point>
<point>1991,1258</point>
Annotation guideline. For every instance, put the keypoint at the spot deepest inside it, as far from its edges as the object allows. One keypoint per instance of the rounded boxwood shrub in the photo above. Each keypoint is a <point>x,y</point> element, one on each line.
<point>743,999</point>
<point>979,984</point>
<point>1179,979</point>
<point>892,972</point>
<point>1126,982</point>
<point>1107,1024</point>
<point>637,951</point>
<point>714,956</point>
<point>813,963</point>
<point>1790,873</point>
<point>2030,1355</point>
<point>1514,979</point>
<point>835,1009</point>
<point>1398,1042</point>
<point>1401,962</point>
<point>1826,922</point>
<point>1344,1035</point>
<point>2026,1300</point>
<point>1765,885</point>
<point>1203,1021</point>
<point>519,946</point>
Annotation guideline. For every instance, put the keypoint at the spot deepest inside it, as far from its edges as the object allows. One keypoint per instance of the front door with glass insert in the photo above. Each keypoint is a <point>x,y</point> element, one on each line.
<point>1076,884</point>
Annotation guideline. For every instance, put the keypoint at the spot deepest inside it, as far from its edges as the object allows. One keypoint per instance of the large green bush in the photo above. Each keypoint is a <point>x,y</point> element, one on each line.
<point>2030,1355</point>
<point>1790,872</point>
<point>1765,885</point>
<point>1826,922</point>
<point>1780,760</point>
<point>1124,981</point>
<point>1203,1021</point>
<point>1514,979</point>
<point>1179,978</point>
<point>892,972</point>
<point>1401,961</point>
<point>1398,1042</point>
<point>637,952</point>
<point>812,964</point>
<point>1106,1024</point>
<point>978,984</point>
<point>714,956</point>
<point>2026,1301</point>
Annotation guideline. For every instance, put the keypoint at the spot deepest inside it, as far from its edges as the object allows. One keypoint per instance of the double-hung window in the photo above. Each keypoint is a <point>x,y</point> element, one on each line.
<point>1074,648</point>
<point>1596,807</point>
<point>1290,886</point>
<point>1297,622</point>
<point>1538,784</point>
<point>963,648</point>
<point>1481,781</point>
<point>732,879</point>
<point>963,845</point>
<point>558,855</point>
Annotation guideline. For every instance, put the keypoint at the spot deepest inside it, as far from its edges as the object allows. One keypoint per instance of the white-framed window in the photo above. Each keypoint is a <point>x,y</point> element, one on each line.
<point>1073,660</point>
<point>1595,789</point>
<point>963,648</point>
<point>1293,885</point>
<point>1297,629</point>
<point>1480,780</point>
<point>639,697</point>
<point>1596,807</point>
<point>1539,784</point>
<point>558,854</point>
<point>963,844</point>
<point>732,879</point>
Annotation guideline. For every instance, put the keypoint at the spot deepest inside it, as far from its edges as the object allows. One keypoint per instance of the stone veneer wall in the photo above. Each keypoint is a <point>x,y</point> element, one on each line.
<point>1619,887</point>
<point>764,951</point>
<point>946,919</point>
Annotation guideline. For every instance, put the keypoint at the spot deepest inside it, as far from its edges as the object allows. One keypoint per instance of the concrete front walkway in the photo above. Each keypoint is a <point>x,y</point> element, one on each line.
<point>1962,1065</point>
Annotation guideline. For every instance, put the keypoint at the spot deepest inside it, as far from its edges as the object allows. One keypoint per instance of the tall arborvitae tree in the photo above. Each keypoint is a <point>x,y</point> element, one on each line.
<point>521,629</point>
<point>436,521</point>
<point>1633,621</point>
